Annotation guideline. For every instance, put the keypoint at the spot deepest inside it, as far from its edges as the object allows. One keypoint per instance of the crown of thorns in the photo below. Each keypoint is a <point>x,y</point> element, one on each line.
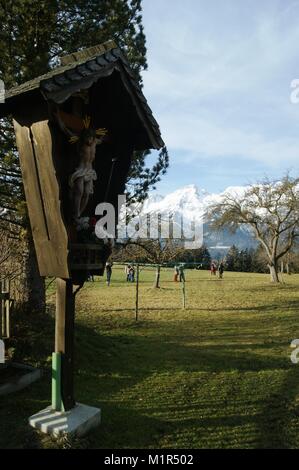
<point>101,132</point>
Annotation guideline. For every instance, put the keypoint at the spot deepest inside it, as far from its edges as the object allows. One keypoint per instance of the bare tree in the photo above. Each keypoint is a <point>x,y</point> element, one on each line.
<point>156,252</point>
<point>17,265</point>
<point>270,210</point>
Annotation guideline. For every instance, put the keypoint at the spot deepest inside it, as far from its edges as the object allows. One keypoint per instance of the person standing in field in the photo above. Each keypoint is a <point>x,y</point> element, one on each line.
<point>221,270</point>
<point>127,272</point>
<point>176,274</point>
<point>132,274</point>
<point>213,269</point>
<point>108,272</point>
<point>181,273</point>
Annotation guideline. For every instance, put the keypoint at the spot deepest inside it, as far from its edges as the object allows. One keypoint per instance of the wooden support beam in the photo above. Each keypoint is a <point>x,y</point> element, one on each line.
<point>2,332</point>
<point>184,292</point>
<point>42,192</point>
<point>137,293</point>
<point>5,303</point>
<point>64,338</point>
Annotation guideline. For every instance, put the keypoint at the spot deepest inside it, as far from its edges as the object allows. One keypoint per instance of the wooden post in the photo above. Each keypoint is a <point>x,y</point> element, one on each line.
<point>56,382</point>
<point>114,160</point>
<point>184,292</point>
<point>64,338</point>
<point>137,292</point>
<point>2,310</point>
<point>5,308</point>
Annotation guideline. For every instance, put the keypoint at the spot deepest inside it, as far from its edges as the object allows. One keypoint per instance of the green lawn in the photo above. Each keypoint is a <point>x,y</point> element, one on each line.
<point>217,375</point>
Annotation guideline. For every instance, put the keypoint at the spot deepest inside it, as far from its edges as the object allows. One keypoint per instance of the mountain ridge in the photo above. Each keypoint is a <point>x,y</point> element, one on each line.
<point>192,203</point>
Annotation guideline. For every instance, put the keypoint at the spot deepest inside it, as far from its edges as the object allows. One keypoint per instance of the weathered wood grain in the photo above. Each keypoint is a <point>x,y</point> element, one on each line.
<point>42,196</point>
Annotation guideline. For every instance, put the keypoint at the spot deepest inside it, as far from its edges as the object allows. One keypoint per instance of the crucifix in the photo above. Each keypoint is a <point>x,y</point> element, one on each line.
<point>81,181</point>
<point>84,140</point>
<point>56,119</point>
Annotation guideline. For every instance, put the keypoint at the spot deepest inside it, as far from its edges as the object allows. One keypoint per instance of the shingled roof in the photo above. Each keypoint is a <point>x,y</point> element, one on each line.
<point>79,71</point>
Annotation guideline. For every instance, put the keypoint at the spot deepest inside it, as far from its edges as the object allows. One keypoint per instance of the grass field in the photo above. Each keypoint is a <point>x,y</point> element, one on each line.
<point>216,375</point>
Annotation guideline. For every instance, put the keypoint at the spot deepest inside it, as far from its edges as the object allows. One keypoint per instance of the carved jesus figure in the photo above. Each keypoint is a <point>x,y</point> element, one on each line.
<point>81,181</point>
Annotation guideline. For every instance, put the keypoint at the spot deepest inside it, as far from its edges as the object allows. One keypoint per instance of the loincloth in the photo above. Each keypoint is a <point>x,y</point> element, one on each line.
<point>88,174</point>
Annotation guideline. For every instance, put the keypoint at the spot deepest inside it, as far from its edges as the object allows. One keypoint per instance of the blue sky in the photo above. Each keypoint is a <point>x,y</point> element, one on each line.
<point>219,84</point>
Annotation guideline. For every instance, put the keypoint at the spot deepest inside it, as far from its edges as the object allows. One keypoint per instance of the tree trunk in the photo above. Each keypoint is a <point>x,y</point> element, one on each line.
<point>157,282</point>
<point>31,286</point>
<point>273,273</point>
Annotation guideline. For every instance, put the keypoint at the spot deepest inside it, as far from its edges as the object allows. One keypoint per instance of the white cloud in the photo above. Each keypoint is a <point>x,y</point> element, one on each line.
<point>219,77</point>
<point>201,138</point>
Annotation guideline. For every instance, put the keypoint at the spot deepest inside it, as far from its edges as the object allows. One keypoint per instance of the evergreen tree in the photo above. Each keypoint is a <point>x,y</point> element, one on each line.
<point>232,259</point>
<point>33,36</point>
<point>198,256</point>
<point>245,261</point>
<point>206,258</point>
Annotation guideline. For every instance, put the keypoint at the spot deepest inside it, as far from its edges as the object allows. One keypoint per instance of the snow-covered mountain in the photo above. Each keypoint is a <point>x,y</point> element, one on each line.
<point>188,199</point>
<point>192,203</point>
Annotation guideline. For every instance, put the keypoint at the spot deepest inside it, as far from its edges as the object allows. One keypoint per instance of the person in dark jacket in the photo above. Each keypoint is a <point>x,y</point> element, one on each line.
<point>181,273</point>
<point>108,272</point>
<point>213,269</point>
<point>221,270</point>
<point>132,274</point>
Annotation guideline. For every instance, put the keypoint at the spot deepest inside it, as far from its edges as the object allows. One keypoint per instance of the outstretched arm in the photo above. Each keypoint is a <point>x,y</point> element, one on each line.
<point>101,135</point>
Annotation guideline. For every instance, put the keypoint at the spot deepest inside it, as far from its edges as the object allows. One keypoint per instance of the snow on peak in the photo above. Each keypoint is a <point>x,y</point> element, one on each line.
<point>189,201</point>
<point>186,201</point>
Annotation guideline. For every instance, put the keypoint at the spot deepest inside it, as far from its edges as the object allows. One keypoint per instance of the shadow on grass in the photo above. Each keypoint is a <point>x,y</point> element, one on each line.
<point>16,408</point>
<point>110,364</point>
<point>279,421</point>
<point>268,286</point>
<point>129,354</point>
<point>289,305</point>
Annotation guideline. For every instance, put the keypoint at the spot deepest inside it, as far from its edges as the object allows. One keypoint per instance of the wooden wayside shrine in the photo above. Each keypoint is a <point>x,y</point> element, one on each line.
<point>76,130</point>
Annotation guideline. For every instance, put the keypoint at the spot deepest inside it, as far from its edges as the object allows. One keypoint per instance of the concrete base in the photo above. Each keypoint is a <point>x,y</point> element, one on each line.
<point>21,382</point>
<point>76,422</point>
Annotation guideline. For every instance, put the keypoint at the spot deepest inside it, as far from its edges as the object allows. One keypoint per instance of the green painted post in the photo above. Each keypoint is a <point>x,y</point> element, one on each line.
<point>137,293</point>
<point>56,382</point>
<point>184,293</point>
